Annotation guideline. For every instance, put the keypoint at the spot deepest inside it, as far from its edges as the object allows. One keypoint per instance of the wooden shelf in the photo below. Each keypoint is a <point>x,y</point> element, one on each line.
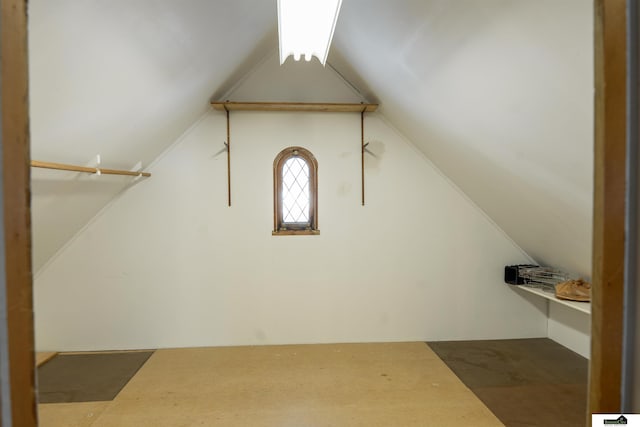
<point>293,106</point>
<point>584,307</point>
<point>85,169</point>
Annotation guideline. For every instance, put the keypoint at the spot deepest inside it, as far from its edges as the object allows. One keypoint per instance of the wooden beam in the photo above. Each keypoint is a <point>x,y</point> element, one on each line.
<point>609,206</point>
<point>293,106</point>
<point>85,169</point>
<point>17,213</point>
<point>228,160</point>
<point>362,148</point>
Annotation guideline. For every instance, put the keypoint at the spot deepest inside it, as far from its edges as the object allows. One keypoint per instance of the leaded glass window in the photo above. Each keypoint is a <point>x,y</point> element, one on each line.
<point>295,192</point>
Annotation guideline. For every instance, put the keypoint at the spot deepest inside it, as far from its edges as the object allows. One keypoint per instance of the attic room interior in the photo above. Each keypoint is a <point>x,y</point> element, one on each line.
<point>212,230</point>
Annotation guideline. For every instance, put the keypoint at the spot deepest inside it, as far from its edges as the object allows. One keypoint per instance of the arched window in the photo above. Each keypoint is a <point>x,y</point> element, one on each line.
<point>295,192</point>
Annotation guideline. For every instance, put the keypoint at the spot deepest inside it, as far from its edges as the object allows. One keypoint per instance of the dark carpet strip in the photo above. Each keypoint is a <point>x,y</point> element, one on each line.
<point>525,382</point>
<point>87,377</point>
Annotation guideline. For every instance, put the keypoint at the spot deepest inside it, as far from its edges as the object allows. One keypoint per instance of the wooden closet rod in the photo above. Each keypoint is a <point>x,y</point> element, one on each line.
<point>74,168</point>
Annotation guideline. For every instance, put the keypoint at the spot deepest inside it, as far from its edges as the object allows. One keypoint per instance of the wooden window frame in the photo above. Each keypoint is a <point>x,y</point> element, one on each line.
<point>296,229</point>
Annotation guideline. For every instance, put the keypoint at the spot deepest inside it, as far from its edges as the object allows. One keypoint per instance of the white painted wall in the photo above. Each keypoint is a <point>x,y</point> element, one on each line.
<point>168,264</point>
<point>571,328</point>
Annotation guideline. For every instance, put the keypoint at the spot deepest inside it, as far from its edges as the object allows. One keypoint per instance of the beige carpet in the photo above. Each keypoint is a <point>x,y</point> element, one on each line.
<point>389,384</point>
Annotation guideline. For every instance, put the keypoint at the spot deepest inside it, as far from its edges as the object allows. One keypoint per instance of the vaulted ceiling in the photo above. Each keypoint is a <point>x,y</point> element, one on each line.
<point>498,94</point>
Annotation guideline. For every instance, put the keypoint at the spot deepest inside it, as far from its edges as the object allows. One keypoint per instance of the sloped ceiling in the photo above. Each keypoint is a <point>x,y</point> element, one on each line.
<point>124,79</point>
<point>497,93</point>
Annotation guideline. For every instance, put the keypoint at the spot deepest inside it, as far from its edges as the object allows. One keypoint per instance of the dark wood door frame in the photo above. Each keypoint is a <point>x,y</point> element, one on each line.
<point>17,385</point>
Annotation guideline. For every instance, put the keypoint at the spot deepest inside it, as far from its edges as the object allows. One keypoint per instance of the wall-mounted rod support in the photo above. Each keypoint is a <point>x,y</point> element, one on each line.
<point>228,145</point>
<point>74,168</point>
<point>362,150</point>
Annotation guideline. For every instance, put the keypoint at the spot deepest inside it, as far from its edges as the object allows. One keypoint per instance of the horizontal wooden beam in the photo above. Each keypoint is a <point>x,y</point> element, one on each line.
<point>85,169</point>
<point>293,106</point>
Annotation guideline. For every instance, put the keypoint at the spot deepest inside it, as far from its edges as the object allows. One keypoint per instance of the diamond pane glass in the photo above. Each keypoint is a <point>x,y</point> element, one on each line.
<point>295,191</point>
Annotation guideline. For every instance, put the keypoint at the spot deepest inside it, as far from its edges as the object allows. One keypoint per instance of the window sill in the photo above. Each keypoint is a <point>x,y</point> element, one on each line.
<point>295,233</point>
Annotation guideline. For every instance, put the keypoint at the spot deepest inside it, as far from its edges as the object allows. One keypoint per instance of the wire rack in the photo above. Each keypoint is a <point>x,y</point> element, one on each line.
<point>542,277</point>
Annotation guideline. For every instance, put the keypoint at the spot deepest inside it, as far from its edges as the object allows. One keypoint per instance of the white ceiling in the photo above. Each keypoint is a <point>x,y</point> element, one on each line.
<point>498,94</point>
<point>124,79</point>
